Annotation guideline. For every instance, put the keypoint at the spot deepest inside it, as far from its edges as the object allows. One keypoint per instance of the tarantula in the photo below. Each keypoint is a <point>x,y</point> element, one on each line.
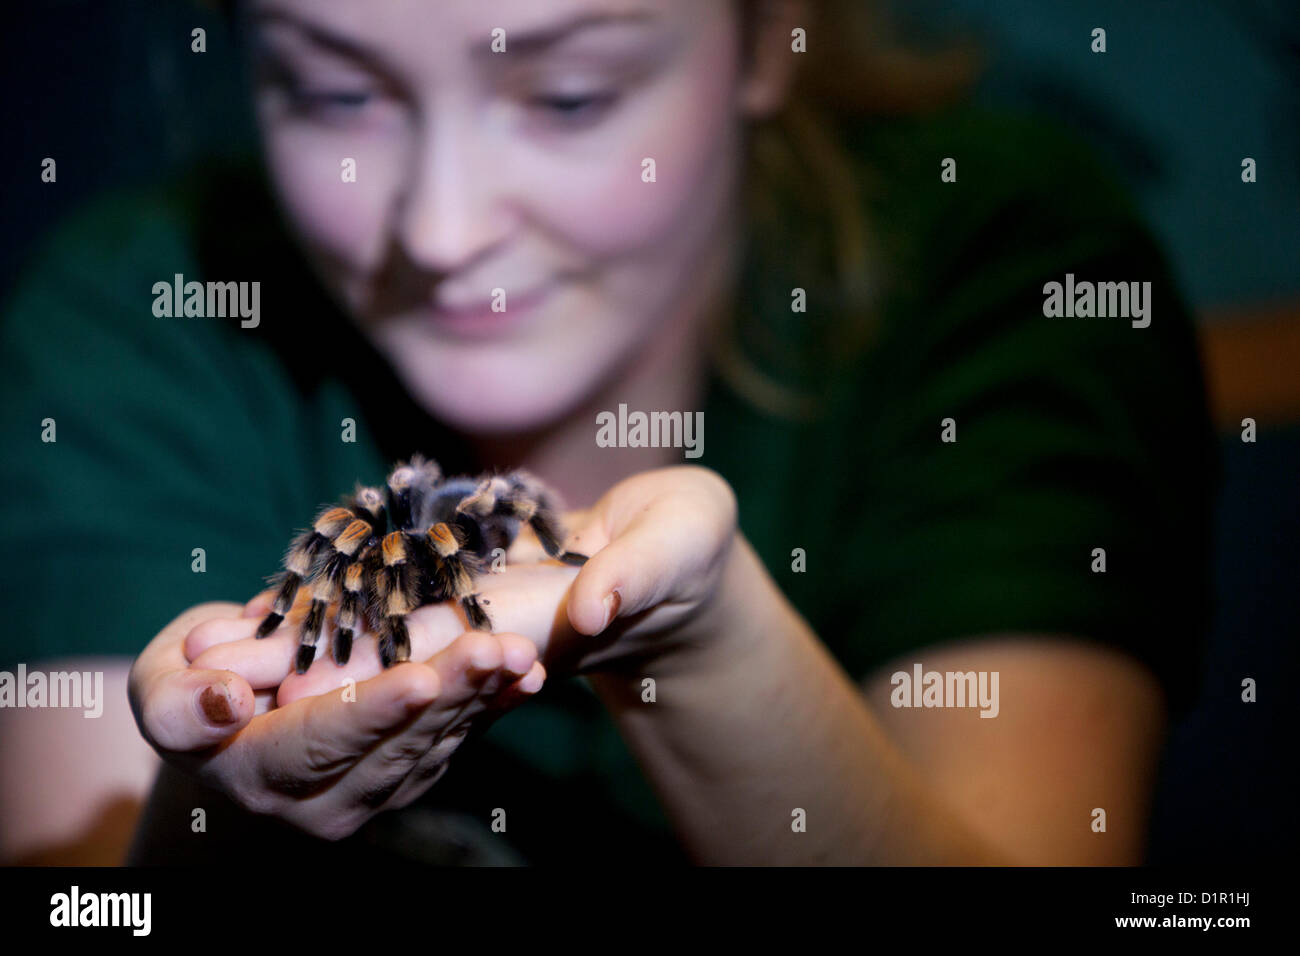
<point>444,529</point>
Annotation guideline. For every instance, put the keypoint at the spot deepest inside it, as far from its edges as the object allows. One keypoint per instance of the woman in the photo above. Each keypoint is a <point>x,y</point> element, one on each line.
<point>908,466</point>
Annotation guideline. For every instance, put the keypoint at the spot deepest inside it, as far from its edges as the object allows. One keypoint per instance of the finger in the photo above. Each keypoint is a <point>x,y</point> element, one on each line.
<point>475,687</point>
<point>217,631</point>
<point>166,651</point>
<point>269,661</point>
<point>524,600</point>
<point>260,606</point>
<point>187,710</point>
<point>522,689</point>
<point>314,740</point>
<point>467,670</point>
<point>472,672</point>
<point>264,701</point>
<point>264,663</point>
<point>431,629</point>
<point>518,655</point>
<point>379,775</point>
<point>426,770</point>
<point>417,783</point>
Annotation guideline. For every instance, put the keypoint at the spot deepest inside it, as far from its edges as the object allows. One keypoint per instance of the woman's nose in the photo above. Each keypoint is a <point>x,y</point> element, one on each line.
<point>451,209</point>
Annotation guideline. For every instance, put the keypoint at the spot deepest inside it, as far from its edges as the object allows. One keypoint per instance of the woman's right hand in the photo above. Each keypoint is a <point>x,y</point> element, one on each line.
<point>330,762</point>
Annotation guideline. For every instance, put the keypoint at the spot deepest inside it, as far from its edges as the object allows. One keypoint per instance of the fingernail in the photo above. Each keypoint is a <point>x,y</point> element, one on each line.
<point>531,682</point>
<point>217,706</point>
<point>612,601</point>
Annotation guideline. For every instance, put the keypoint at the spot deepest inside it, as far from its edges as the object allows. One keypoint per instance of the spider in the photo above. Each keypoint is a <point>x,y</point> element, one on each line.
<point>443,531</point>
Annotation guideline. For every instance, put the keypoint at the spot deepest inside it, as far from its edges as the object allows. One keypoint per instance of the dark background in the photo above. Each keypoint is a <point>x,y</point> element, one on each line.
<point>111,90</point>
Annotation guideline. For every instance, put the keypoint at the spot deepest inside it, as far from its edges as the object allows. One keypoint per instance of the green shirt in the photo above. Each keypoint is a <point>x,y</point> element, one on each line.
<point>1072,434</point>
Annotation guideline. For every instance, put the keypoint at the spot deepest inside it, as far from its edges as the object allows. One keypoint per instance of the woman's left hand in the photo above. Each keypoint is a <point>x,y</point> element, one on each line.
<point>661,543</point>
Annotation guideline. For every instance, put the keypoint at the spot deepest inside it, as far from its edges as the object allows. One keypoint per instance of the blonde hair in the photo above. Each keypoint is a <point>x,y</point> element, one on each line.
<point>805,201</point>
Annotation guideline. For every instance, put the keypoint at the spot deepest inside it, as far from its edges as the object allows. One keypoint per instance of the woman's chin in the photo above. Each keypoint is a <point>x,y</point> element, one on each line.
<point>495,388</point>
<point>493,419</point>
<point>500,409</point>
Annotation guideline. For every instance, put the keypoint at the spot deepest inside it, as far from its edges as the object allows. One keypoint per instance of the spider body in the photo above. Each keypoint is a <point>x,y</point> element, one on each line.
<point>379,556</point>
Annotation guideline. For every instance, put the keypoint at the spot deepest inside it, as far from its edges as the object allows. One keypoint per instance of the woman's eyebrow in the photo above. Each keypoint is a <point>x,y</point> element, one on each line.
<point>531,42</point>
<point>535,41</point>
<point>321,36</point>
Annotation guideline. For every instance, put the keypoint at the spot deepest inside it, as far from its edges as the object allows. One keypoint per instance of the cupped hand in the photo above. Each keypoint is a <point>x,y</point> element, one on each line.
<point>328,762</point>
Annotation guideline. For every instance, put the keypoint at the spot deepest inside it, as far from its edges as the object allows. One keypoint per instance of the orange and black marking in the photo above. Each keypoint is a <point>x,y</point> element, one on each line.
<point>420,538</point>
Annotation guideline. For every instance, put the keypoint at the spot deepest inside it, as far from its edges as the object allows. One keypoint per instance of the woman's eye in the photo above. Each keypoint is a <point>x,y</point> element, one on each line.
<point>575,108</point>
<point>329,102</point>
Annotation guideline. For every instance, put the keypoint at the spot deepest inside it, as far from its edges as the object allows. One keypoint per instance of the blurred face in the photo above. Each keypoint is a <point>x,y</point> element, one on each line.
<point>519,171</point>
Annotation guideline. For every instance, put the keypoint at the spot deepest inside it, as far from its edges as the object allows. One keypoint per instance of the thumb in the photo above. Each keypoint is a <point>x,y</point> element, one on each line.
<point>186,710</point>
<point>635,571</point>
<point>667,530</point>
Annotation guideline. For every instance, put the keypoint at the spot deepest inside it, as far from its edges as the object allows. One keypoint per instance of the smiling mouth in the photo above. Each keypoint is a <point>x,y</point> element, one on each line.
<point>480,321</point>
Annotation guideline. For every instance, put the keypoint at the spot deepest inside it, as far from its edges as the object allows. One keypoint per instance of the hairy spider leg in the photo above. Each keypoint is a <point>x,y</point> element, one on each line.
<point>350,606</point>
<point>369,504</point>
<point>300,561</point>
<point>545,524</point>
<point>326,583</point>
<point>454,569</point>
<point>521,497</point>
<point>396,594</point>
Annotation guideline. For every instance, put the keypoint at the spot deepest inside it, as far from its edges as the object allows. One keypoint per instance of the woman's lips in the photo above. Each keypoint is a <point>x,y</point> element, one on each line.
<point>482,322</point>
